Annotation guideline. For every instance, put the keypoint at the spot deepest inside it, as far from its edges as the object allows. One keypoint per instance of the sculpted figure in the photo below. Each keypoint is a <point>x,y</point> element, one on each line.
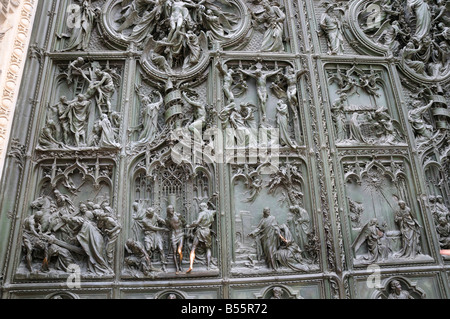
<point>138,258</point>
<point>202,234</point>
<point>64,204</point>
<point>149,114</point>
<point>193,43</point>
<point>199,118</point>
<point>107,134</point>
<point>302,224</point>
<point>61,110</point>
<point>37,237</point>
<point>92,242</point>
<point>355,129</point>
<point>292,82</point>
<point>80,36</point>
<point>180,16</point>
<point>246,111</point>
<point>268,233</point>
<point>274,17</point>
<point>143,26</point>
<point>389,36</point>
<point>397,292</point>
<point>152,236</point>
<point>423,18</point>
<point>105,89</point>
<point>261,84</point>
<point>31,239</point>
<point>64,258</point>
<point>213,23</point>
<point>283,125</point>
<point>47,139</point>
<point>277,293</point>
<point>75,67</point>
<point>227,74</point>
<point>234,125</point>
<point>374,236</point>
<point>410,231</point>
<point>78,113</point>
<point>382,119</point>
<point>111,228</point>
<point>408,53</point>
<point>443,231</point>
<point>340,118</point>
<point>441,209</point>
<point>443,30</point>
<point>332,28</point>
<point>176,223</point>
<point>423,130</point>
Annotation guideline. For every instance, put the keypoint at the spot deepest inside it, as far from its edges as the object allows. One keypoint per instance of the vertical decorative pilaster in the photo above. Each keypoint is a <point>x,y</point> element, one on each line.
<point>16,20</point>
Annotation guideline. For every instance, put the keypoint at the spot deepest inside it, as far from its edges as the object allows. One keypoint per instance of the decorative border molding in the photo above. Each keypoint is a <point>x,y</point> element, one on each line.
<point>10,81</point>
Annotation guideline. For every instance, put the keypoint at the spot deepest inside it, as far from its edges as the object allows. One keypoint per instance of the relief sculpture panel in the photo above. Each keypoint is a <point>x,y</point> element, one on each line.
<point>260,149</point>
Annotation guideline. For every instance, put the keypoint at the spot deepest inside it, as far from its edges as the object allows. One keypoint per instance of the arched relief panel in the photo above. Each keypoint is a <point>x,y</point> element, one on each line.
<point>259,97</point>
<point>306,289</point>
<point>363,106</point>
<point>209,292</point>
<point>160,186</point>
<point>402,285</point>
<point>69,196</point>
<point>41,294</point>
<point>437,201</point>
<point>83,108</point>
<point>273,225</point>
<point>384,217</point>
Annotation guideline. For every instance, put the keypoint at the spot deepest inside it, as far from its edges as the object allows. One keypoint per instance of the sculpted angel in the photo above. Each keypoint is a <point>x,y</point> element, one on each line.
<point>378,246</point>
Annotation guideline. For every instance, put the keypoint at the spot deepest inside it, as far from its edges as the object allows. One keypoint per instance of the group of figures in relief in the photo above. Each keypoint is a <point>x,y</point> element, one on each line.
<point>172,33</point>
<point>288,246</point>
<point>64,238</point>
<point>379,243</point>
<point>272,245</point>
<point>441,218</point>
<point>415,31</point>
<point>241,125</point>
<point>429,116</point>
<point>67,122</point>
<point>154,235</point>
<point>176,35</point>
<point>365,123</point>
